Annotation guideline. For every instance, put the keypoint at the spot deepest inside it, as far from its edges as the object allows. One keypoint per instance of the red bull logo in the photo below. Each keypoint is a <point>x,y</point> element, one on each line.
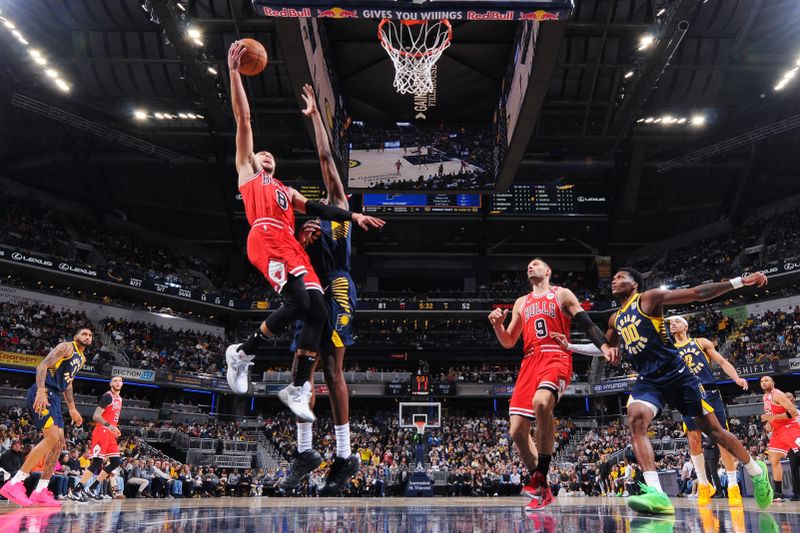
<point>539,15</point>
<point>337,13</point>
<point>287,12</point>
<point>490,15</point>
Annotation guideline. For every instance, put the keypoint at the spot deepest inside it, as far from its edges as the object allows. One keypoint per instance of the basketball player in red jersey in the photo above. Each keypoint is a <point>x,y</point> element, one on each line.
<point>546,369</point>
<point>781,414</point>
<point>104,445</point>
<point>273,249</point>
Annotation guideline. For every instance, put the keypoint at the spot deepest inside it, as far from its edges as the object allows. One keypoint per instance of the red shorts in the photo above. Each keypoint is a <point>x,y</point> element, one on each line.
<point>550,370</point>
<point>276,254</point>
<point>785,439</point>
<point>104,443</point>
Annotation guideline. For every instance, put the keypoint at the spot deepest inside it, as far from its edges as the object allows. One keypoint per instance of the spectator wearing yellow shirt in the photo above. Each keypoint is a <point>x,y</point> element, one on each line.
<point>365,454</point>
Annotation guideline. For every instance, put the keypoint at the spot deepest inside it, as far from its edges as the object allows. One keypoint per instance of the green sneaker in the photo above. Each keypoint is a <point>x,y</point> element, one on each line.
<point>651,501</point>
<point>762,487</point>
<point>653,525</point>
<point>767,524</point>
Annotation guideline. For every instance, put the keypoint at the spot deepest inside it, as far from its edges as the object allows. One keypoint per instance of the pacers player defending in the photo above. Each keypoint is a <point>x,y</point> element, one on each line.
<point>54,377</point>
<point>545,372</point>
<point>665,378</point>
<point>104,442</point>
<point>274,251</point>
<point>781,413</point>
<point>698,353</point>
<point>328,247</point>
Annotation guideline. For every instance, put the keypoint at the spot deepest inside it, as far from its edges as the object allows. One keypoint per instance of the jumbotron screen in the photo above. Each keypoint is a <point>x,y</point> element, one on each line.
<point>422,203</point>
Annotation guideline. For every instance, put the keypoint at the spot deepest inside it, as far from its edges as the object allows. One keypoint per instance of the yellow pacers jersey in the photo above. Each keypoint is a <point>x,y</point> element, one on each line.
<point>697,360</point>
<point>646,341</point>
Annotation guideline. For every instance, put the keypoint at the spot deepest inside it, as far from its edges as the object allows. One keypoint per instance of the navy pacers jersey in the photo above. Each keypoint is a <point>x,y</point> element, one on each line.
<point>330,254</point>
<point>60,375</point>
<point>646,341</point>
<point>697,360</point>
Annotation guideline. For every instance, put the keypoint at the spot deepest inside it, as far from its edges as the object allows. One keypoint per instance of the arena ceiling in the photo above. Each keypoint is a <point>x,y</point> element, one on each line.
<point>176,175</point>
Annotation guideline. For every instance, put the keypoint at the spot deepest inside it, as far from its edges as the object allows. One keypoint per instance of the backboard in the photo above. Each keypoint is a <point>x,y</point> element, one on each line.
<point>411,412</point>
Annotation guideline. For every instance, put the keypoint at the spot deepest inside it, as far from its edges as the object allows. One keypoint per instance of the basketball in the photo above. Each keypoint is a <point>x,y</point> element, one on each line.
<point>254,59</point>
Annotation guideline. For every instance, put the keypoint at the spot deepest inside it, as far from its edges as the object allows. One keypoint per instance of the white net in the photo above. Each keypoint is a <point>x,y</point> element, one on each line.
<point>414,46</point>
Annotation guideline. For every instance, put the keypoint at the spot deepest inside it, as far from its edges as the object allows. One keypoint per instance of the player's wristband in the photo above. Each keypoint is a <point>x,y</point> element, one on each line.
<point>737,282</point>
<point>788,415</point>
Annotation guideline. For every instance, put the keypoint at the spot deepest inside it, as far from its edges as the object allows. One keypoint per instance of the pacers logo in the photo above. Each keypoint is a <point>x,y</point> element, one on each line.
<point>628,329</point>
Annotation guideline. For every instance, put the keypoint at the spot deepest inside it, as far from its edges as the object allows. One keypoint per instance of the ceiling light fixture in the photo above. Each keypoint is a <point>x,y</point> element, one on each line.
<point>628,74</point>
<point>646,41</point>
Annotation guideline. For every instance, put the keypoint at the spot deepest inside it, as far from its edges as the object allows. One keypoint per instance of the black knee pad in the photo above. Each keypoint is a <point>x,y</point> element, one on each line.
<point>295,305</point>
<point>96,466</point>
<point>112,465</point>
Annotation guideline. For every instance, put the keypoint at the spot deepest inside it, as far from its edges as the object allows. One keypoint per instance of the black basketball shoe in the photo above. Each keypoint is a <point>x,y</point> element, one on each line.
<point>303,464</point>
<point>341,471</point>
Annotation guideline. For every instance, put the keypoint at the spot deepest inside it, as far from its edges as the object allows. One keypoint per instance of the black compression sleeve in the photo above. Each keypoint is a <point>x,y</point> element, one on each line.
<point>328,212</point>
<point>594,333</point>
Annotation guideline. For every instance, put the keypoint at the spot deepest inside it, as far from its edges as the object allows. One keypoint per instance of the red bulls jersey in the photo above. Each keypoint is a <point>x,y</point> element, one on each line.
<point>542,315</point>
<point>775,409</point>
<point>112,405</point>
<point>268,201</point>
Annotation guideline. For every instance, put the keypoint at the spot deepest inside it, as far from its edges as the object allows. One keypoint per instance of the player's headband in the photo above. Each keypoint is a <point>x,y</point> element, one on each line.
<point>680,319</point>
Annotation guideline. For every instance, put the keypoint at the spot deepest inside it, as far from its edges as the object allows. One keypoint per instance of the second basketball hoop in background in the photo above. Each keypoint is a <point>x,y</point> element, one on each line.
<point>414,46</point>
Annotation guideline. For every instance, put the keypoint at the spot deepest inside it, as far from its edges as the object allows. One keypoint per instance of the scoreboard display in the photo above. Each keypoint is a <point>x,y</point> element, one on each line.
<point>422,203</point>
<point>548,200</point>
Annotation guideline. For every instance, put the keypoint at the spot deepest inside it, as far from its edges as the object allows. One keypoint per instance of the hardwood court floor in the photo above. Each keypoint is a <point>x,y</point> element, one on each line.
<point>390,515</point>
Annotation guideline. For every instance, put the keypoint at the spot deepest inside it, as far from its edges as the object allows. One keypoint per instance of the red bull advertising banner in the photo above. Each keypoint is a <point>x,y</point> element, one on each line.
<point>479,10</point>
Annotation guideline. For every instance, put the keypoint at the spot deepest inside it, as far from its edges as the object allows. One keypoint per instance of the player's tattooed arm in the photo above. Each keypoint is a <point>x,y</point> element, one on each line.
<point>330,174</point>
<point>709,348</point>
<point>656,298</point>
<point>59,352</point>
<point>98,417</point>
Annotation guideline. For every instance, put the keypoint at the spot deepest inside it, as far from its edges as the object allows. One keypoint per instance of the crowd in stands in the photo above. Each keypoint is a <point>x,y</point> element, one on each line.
<point>154,347</point>
<point>36,329</point>
<point>30,226</point>
<point>421,333</point>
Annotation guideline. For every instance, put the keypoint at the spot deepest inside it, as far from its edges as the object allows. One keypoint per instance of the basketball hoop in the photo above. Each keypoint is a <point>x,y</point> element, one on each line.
<point>414,46</point>
<point>420,424</point>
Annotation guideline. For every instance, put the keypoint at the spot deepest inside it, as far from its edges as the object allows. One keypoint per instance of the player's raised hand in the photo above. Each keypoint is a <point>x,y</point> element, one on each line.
<point>235,53</point>
<point>560,338</point>
<point>498,316</point>
<point>759,279</point>
<point>365,221</point>
<point>742,383</point>
<point>310,99</point>
<point>310,232</point>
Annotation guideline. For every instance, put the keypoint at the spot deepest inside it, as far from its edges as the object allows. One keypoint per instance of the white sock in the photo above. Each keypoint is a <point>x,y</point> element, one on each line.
<point>343,441</point>
<point>42,485</point>
<point>652,481</point>
<point>732,481</point>
<point>752,468</point>
<point>700,468</point>
<point>303,436</point>
<point>19,477</point>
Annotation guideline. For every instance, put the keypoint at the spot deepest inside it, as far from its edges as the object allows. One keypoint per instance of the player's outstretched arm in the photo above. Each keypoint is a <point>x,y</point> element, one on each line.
<point>508,336</point>
<point>569,303</point>
<point>659,297</point>
<point>241,112</point>
<point>330,174</point>
<point>331,212</point>
<point>723,363</point>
